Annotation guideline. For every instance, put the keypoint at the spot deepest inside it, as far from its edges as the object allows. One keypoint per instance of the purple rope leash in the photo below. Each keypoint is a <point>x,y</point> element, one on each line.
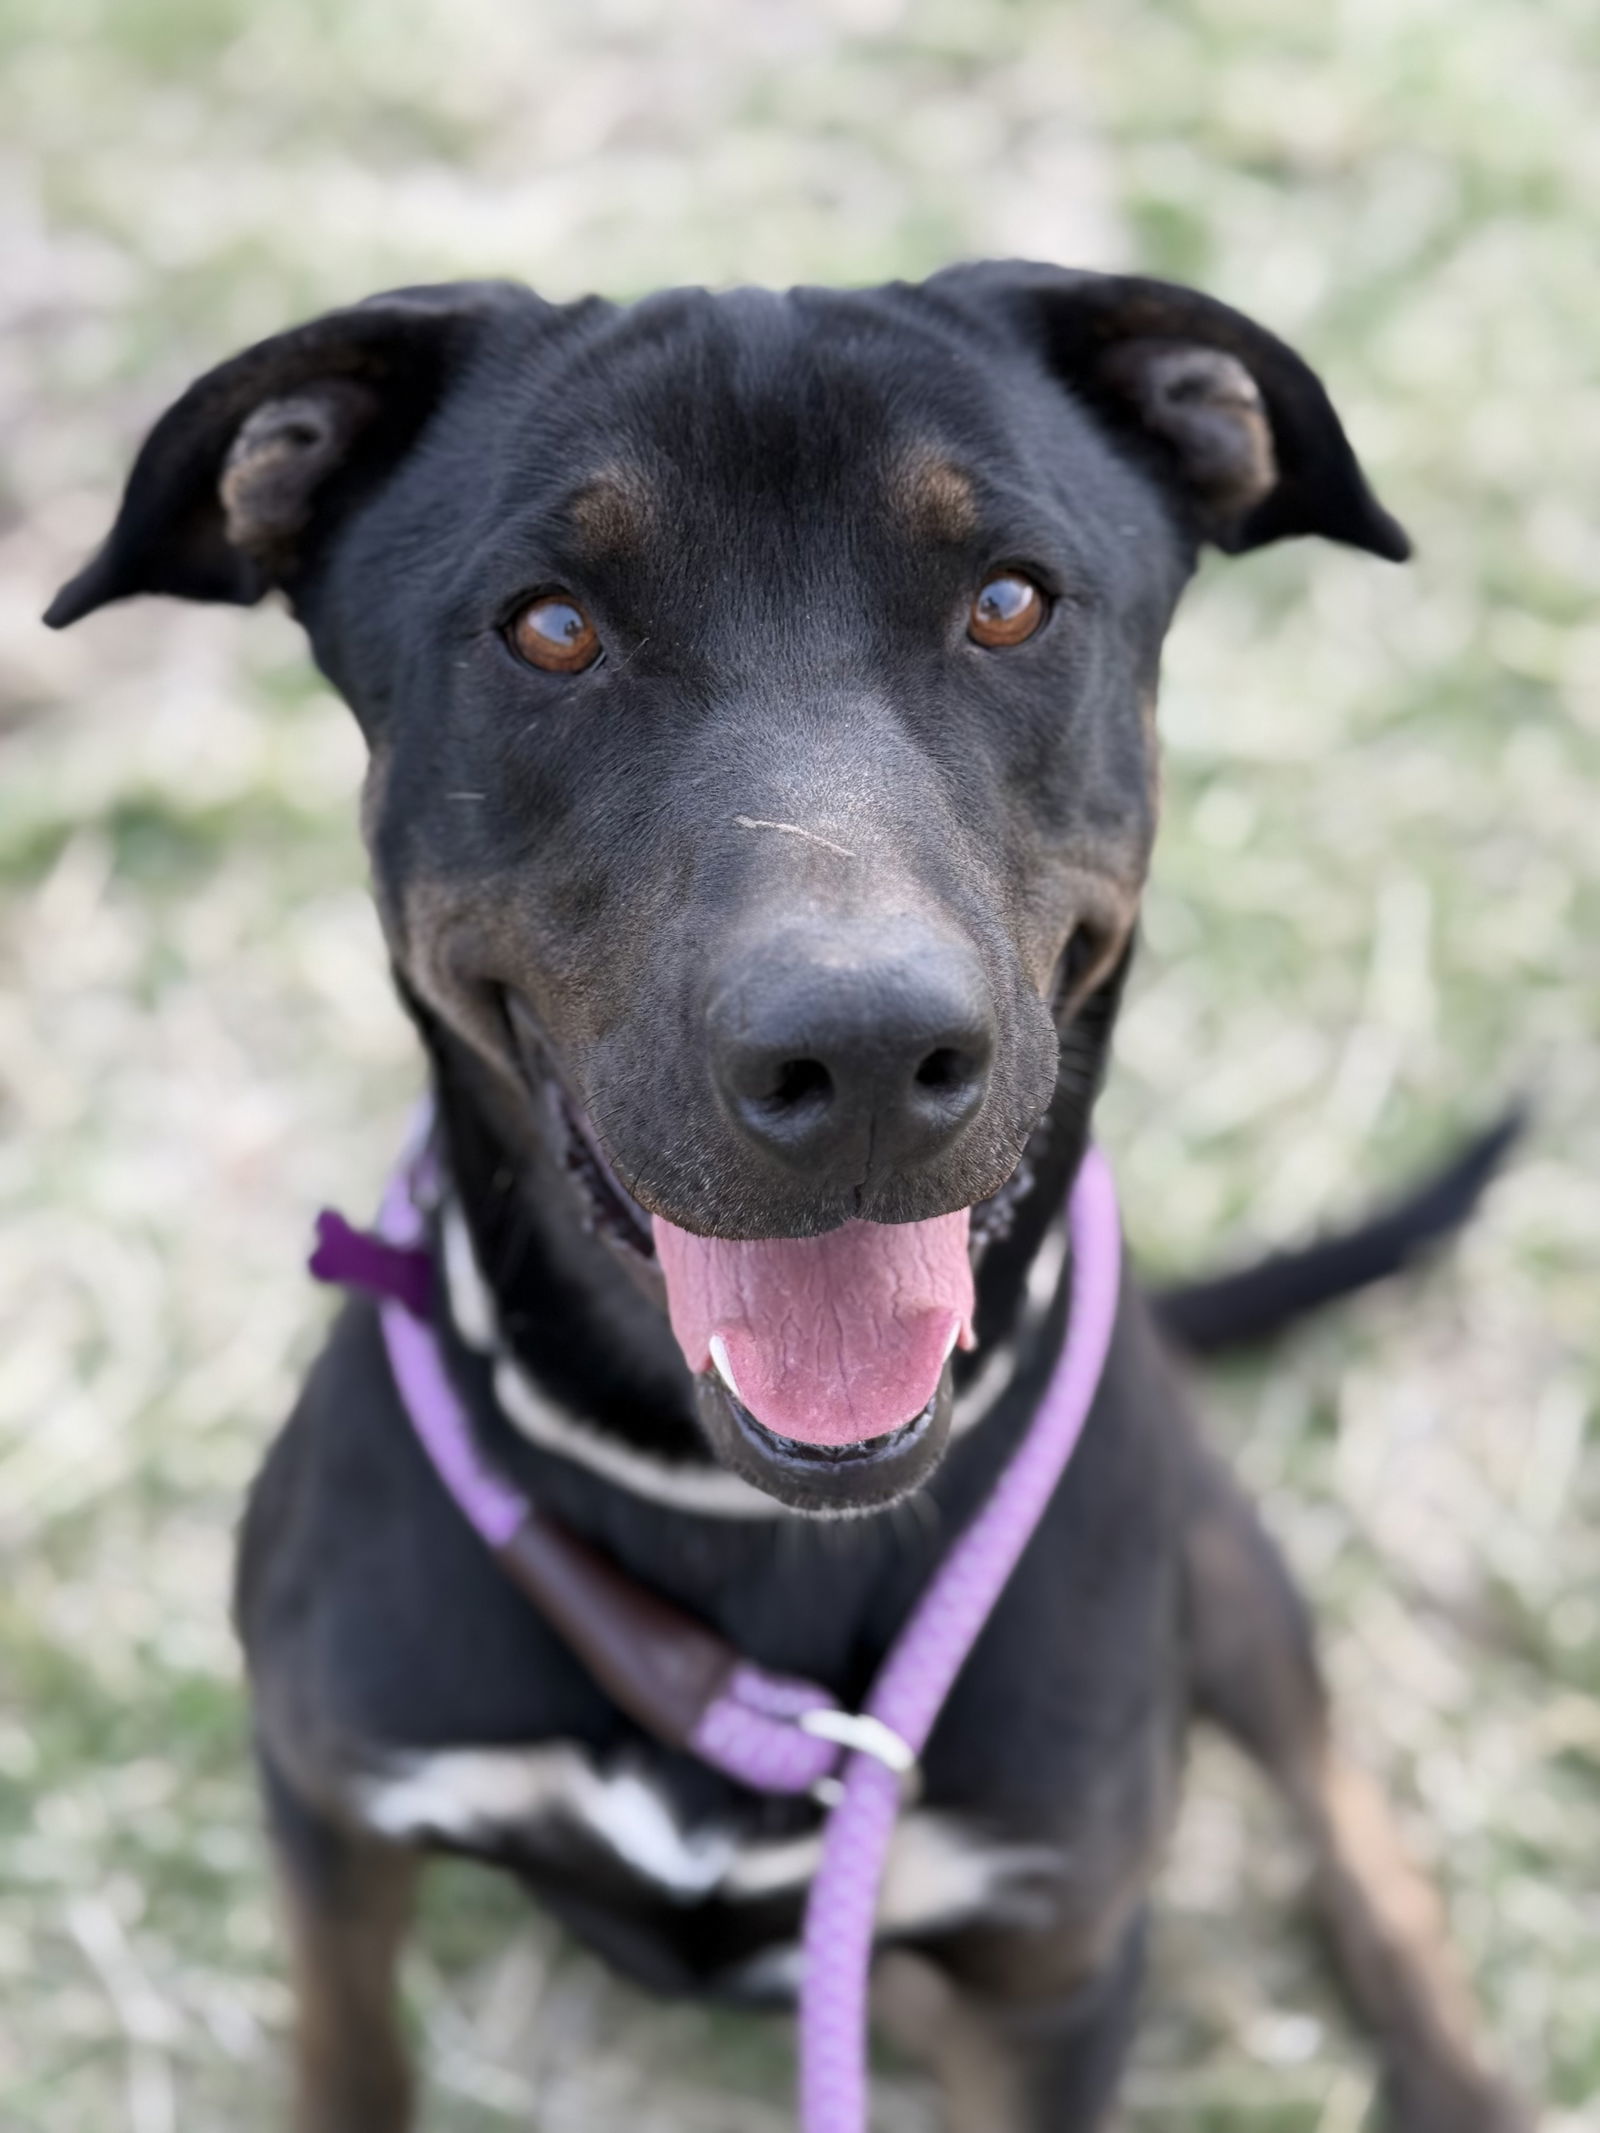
<point>921,1667</point>
<point>754,1730</point>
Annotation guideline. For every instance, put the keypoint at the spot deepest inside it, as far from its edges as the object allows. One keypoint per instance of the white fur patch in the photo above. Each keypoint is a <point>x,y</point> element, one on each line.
<point>1044,1275</point>
<point>471,1305</point>
<point>683,1485</point>
<point>467,1793</point>
<point>774,1974</point>
<point>995,1371</point>
<point>768,1869</point>
<point>939,1871</point>
<point>475,1795</point>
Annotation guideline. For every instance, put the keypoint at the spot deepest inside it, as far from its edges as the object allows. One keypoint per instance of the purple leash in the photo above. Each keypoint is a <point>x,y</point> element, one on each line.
<point>922,1665</point>
<point>770,1732</point>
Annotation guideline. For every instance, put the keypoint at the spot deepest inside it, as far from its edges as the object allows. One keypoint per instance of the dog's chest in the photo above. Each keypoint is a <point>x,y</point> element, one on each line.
<point>553,1805</point>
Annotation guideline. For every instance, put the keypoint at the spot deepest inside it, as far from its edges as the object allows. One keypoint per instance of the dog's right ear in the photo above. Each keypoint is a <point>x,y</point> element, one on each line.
<point>260,453</point>
<point>1233,425</point>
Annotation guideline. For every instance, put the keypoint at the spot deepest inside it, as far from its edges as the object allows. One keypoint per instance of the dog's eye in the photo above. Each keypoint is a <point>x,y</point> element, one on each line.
<point>554,633</point>
<point>1007,610</point>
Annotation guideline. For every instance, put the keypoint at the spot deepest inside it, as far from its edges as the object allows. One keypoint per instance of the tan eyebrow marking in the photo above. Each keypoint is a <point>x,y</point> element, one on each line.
<point>793,829</point>
<point>616,509</point>
<point>933,496</point>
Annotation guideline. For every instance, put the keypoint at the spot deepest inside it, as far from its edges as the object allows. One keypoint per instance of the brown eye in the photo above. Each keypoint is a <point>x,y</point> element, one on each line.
<point>1007,610</point>
<point>553,632</point>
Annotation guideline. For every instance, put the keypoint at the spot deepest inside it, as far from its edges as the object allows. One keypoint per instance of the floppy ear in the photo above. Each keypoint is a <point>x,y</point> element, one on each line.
<point>229,484</point>
<point>1235,425</point>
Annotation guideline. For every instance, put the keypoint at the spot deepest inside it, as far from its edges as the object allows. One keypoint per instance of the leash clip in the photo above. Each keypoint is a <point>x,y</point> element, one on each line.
<point>862,1734</point>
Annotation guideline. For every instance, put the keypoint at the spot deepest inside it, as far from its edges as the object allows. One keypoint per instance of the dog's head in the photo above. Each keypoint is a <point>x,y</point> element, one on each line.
<point>760,697</point>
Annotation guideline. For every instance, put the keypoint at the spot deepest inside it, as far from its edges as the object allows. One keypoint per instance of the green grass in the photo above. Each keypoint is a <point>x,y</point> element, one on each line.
<point>1375,912</point>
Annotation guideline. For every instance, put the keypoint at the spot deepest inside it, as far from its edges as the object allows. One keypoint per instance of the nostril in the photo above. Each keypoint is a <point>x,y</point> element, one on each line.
<point>801,1084</point>
<point>944,1068</point>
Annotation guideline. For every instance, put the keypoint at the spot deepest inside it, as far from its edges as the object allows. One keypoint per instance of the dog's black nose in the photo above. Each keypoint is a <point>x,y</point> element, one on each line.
<point>839,1053</point>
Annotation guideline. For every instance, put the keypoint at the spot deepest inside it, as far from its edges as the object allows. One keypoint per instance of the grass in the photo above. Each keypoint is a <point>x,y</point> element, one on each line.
<point>1375,913</point>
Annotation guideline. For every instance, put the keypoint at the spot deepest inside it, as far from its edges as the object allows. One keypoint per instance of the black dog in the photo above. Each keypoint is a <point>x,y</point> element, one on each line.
<point>760,692</point>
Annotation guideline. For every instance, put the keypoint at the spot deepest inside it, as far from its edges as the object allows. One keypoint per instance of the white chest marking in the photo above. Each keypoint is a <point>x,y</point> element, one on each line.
<point>939,1870</point>
<point>475,1795</point>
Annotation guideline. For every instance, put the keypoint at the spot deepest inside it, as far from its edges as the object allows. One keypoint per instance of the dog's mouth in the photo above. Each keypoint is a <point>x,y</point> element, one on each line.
<point>821,1365</point>
<point>862,1474</point>
<point>834,1343</point>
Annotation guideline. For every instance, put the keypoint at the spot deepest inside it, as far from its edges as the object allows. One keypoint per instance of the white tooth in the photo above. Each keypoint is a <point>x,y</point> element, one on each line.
<point>950,1344</point>
<point>719,1356</point>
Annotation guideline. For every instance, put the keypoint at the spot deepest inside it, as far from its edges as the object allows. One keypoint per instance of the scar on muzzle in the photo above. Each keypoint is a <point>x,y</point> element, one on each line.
<point>793,829</point>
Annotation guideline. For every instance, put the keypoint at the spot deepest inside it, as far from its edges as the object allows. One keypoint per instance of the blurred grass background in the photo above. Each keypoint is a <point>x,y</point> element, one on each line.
<point>1375,913</point>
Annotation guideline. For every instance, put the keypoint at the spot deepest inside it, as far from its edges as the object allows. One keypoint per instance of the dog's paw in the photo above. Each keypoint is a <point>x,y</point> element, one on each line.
<point>1454,2100</point>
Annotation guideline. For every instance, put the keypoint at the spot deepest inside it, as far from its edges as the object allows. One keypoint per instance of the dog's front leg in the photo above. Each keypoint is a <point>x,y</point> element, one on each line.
<point>1255,1673</point>
<point>1018,2060</point>
<point>348,1902</point>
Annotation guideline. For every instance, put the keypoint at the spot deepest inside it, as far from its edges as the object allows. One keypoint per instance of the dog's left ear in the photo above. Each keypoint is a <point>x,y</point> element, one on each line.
<point>262,454</point>
<point>1237,428</point>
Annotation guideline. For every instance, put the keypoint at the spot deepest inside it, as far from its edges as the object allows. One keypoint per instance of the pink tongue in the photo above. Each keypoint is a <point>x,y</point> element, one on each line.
<point>830,1339</point>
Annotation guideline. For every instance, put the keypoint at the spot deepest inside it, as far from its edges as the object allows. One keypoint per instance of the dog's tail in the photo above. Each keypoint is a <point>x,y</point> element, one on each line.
<point>1234,1310</point>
